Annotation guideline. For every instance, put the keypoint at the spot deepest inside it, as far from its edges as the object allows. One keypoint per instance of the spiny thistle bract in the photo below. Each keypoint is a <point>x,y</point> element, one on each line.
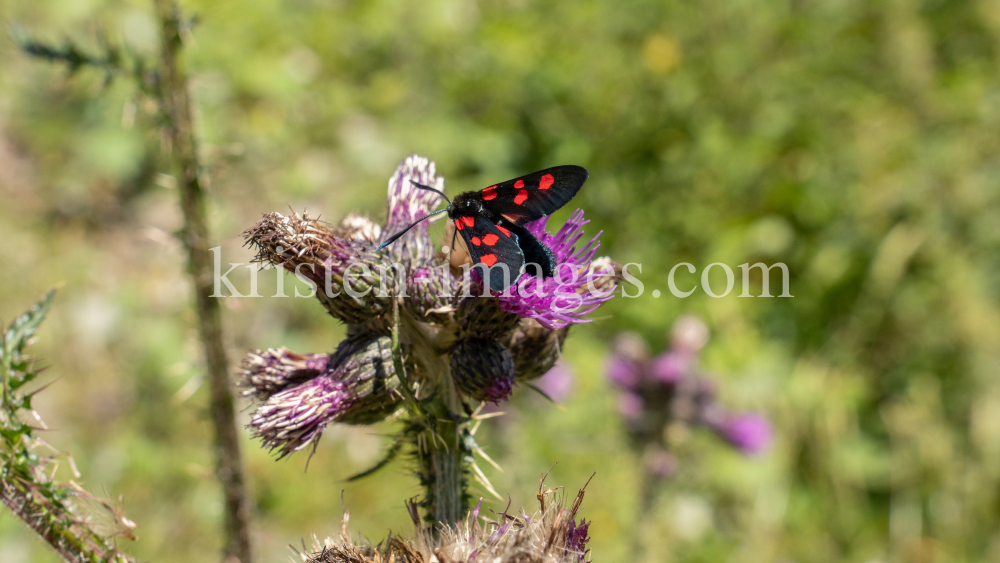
<point>458,345</point>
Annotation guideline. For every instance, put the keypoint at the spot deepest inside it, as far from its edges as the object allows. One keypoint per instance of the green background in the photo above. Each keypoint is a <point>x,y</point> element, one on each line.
<point>855,141</point>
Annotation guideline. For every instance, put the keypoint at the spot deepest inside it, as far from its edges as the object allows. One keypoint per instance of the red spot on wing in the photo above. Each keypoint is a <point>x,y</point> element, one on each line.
<point>503,230</point>
<point>490,239</point>
<point>518,184</point>
<point>469,221</point>
<point>546,182</point>
<point>488,259</point>
<point>476,241</point>
<point>458,224</point>
<point>490,193</point>
<point>522,196</point>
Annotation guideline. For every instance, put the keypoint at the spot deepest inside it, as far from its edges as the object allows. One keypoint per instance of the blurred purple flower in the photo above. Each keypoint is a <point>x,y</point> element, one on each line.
<point>627,364</point>
<point>671,367</point>
<point>750,433</point>
<point>630,406</point>
<point>623,372</point>
<point>557,383</point>
<point>669,390</point>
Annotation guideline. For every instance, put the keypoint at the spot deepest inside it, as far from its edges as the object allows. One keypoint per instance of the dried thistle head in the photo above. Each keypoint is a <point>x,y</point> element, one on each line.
<point>551,534</point>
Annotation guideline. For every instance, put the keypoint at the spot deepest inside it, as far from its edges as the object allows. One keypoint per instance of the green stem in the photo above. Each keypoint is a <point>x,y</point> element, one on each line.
<point>436,430</point>
<point>443,464</point>
<point>177,107</point>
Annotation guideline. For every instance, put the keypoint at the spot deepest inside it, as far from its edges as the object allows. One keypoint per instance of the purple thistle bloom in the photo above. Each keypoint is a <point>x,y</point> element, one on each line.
<point>407,203</point>
<point>671,367</point>
<point>291,419</point>
<point>489,343</point>
<point>576,288</point>
<point>557,383</point>
<point>623,372</point>
<point>669,390</point>
<point>270,371</point>
<point>750,433</point>
<point>301,394</point>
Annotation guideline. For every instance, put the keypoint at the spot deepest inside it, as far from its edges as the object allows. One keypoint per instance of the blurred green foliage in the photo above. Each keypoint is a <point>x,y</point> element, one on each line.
<point>854,141</point>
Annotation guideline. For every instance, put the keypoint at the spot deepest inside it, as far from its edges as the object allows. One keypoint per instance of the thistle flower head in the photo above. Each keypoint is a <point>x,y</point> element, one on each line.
<point>668,389</point>
<point>552,534</point>
<point>580,283</point>
<point>407,204</point>
<point>483,369</point>
<point>267,372</point>
<point>748,432</point>
<point>489,342</point>
<point>301,394</point>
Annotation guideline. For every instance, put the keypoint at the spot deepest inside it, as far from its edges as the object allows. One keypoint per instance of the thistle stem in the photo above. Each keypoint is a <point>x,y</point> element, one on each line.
<point>442,467</point>
<point>436,432</point>
<point>177,108</point>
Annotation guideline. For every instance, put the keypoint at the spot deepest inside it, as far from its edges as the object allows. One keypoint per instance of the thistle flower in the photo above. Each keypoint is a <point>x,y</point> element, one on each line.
<point>269,371</point>
<point>302,394</point>
<point>456,346</point>
<point>749,432</point>
<point>356,284</point>
<point>576,287</point>
<point>552,534</point>
<point>483,369</point>
<point>666,390</point>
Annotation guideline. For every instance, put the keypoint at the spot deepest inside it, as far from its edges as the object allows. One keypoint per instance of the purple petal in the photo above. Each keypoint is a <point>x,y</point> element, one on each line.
<point>750,433</point>
<point>567,296</point>
<point>623,372</point>
<point>576,537</point>
<point>671,367</point>
<point>557,383</point>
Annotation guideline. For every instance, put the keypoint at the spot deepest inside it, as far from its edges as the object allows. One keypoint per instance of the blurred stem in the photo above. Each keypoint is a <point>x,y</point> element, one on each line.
<point>648,490</point>
<point>177,108</point>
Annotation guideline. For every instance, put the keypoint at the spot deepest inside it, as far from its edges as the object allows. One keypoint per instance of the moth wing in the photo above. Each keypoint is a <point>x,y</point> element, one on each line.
<point>492,246</point>
<point>535,195</point>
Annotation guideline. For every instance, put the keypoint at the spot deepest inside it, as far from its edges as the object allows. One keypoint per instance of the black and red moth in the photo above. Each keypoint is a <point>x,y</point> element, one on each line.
<point>492,221</point>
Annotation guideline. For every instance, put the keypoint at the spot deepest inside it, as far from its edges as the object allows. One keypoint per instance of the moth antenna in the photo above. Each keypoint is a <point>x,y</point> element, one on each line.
<point>393,238</point>
<point>430,189</point>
